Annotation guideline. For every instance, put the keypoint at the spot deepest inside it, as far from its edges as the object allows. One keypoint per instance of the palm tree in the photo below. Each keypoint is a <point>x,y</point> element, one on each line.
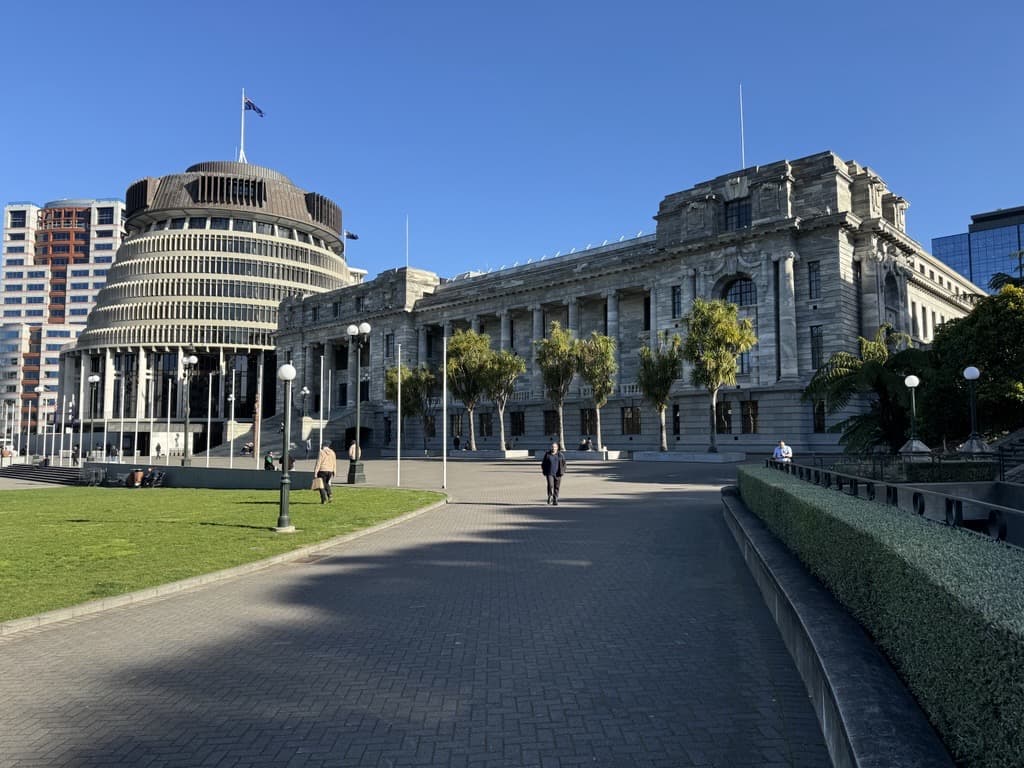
<point>469,354</point>
<point>597,366</point>
<point>715,338</point>
<point>558,361</point>
<point>877,373</point>
<point>503,369</point>
<point>658,371</point>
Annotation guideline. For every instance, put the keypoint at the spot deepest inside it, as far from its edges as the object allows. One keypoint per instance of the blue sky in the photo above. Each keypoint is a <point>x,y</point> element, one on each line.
<point>508,131</point>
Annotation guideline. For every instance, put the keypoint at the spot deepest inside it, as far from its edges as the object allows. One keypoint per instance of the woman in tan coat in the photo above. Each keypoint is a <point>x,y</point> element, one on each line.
<point>326,466</point>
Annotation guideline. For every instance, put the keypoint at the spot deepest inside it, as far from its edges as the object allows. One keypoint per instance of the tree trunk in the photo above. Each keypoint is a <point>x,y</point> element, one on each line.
<point>561,429</point>
<point>501,426</point>
<point>423,426</point>
<point>472,429</point>
<point>597,423</point>
<point>664,434</point>
<point>714,422</point>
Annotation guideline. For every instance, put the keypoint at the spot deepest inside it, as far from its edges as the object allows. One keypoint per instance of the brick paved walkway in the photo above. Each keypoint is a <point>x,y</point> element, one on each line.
<point>618,629</point>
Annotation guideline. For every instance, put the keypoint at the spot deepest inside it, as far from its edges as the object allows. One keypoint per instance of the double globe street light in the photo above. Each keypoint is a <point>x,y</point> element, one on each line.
<point>286,373</point>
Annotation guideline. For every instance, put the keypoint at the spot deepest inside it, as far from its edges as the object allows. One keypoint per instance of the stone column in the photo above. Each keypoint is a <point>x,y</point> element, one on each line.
<point>506,329</point>
<point>352,385</point>
<point>574,318</point>
<point>421,345</point>
<point>537,383</point>
<point>612,308</point>
<point>687,288</point>
<point>474,324</point>
<point>653,293</point>
<point>787,340</point>
<point>107,394</point>
<point>141,371</point>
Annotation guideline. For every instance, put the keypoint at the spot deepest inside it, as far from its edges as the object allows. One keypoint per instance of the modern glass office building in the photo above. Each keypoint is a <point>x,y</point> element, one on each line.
<point>994,242</point>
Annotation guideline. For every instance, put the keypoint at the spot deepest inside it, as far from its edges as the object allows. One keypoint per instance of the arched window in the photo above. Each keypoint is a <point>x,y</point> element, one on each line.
<point>742,292</point>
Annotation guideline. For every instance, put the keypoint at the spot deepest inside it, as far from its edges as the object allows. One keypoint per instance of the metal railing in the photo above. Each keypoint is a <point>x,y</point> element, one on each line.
<point>978,516</point>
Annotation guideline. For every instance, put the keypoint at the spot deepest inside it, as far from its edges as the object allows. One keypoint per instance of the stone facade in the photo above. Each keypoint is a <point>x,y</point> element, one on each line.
<point>814,251</point>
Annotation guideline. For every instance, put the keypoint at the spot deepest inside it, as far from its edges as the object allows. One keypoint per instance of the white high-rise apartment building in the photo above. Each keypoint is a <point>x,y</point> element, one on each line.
<point>55,260</point>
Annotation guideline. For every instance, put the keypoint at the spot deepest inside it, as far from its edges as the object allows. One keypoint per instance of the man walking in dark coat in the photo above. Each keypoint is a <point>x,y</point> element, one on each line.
<point>553,467</point>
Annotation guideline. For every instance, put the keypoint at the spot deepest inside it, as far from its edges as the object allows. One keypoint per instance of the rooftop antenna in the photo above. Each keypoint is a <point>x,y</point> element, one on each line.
<point>407,241</point>
<point>743,141</point>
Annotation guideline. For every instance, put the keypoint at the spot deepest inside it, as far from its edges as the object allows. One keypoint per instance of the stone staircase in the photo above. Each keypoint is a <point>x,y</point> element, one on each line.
<point>38,474</point>
<point>1011,456</point>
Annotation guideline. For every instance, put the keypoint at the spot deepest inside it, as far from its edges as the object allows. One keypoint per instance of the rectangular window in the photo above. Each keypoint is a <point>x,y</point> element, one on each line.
<point>518,419</point>
<point>33,313</point>
<point>315,312</point>
<point>33,275</point>
<point>677,301</point>
<point>336,308</point>
<point>16,235</point>
<point>98,260</point>
<point>242,225</point>
<point>676,420</point>
<point>743,363</point>
<point>631,420</point>
<point>61,237</point>
<point>264,229</point>
<point>197,222</point>
<point>819,416</point>
<point>486,427</point>
<point>817,346</point>
<point>35,300</point>
<point>79,312</point>
<point>723,426</point>
<point>12,313</point>
<point>110,232</point>
<point>364,391</point>
<point>104,246</point>
<point>15,249</point>
<point>647,313</point>
<point>551,423</point>
<point>588,422</point>
<point>389,345</point>
<point>219,222</point>
<point>934,324</point>
<point>455,425</point>
<point>737,214</point>
<point>924,322</point>
<point>18,219</point>
<point>814,279</point>
<point>360,303</point>
<point>62,249</point>
<point>15,262</point>
<point>430,425</point>
<point>104,216</point>
<point>16,275</point>
<point>285,232</point>
<point>915,330</point>
<point>748,412</point>
<point>12,299</point>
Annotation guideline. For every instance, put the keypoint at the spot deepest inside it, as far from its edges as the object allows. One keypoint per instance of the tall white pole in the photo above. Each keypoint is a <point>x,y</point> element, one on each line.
<point>257,415</point>
<point>231,422</point>
<point>398,453</point>
<point>444,412</point>
<point>209,414</point>
<point>120,432</point>
<point>167,437</point>
<point>321,402</point>
<point>151,386</point>
<point>330,392</point>
<point>406,241</point>
<point>241,150</point>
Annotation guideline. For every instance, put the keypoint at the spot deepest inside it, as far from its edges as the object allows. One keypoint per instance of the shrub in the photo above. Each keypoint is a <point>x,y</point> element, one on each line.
<point>945,606</point>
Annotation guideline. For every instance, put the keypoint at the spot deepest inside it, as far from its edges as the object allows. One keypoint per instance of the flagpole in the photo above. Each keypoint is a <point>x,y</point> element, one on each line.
<point>407,241</point>
<point>241,151</point>
<point>321,402</point>
<point>444,413</point>
<point>743,141</point>
<point>398,445</point>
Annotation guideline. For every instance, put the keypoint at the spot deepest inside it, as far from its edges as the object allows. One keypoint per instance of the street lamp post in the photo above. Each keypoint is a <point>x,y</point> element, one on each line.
<point>120,431</point>
<point>913,448</point>
<point>39,417</point>
<point>360,335</point>
<point>974,443</point>
<point>285,373</point>
<point>304,393</point>
<point>189,364</point>
<point>94,379</point>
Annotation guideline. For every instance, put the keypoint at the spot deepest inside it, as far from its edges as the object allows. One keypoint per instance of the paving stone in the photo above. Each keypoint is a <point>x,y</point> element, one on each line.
<point>619,628</point>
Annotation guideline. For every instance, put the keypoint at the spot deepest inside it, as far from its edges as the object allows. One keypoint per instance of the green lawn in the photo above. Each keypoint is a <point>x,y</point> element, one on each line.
<point>64,546</point>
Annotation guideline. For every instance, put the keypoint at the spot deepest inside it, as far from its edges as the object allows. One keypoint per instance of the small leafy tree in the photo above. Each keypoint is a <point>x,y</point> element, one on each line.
<point>469,354</point>
<point>410,402</point>
<point>716,336</point>
<point>876,373</point>
<point>659,369</point>
<point>423,382</point>
<point>558,361</point>
<point>597,366</point>
<point>503,369</point>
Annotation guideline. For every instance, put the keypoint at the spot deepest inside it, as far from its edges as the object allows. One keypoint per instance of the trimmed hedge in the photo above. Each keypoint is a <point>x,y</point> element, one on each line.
<point>945,606</point>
